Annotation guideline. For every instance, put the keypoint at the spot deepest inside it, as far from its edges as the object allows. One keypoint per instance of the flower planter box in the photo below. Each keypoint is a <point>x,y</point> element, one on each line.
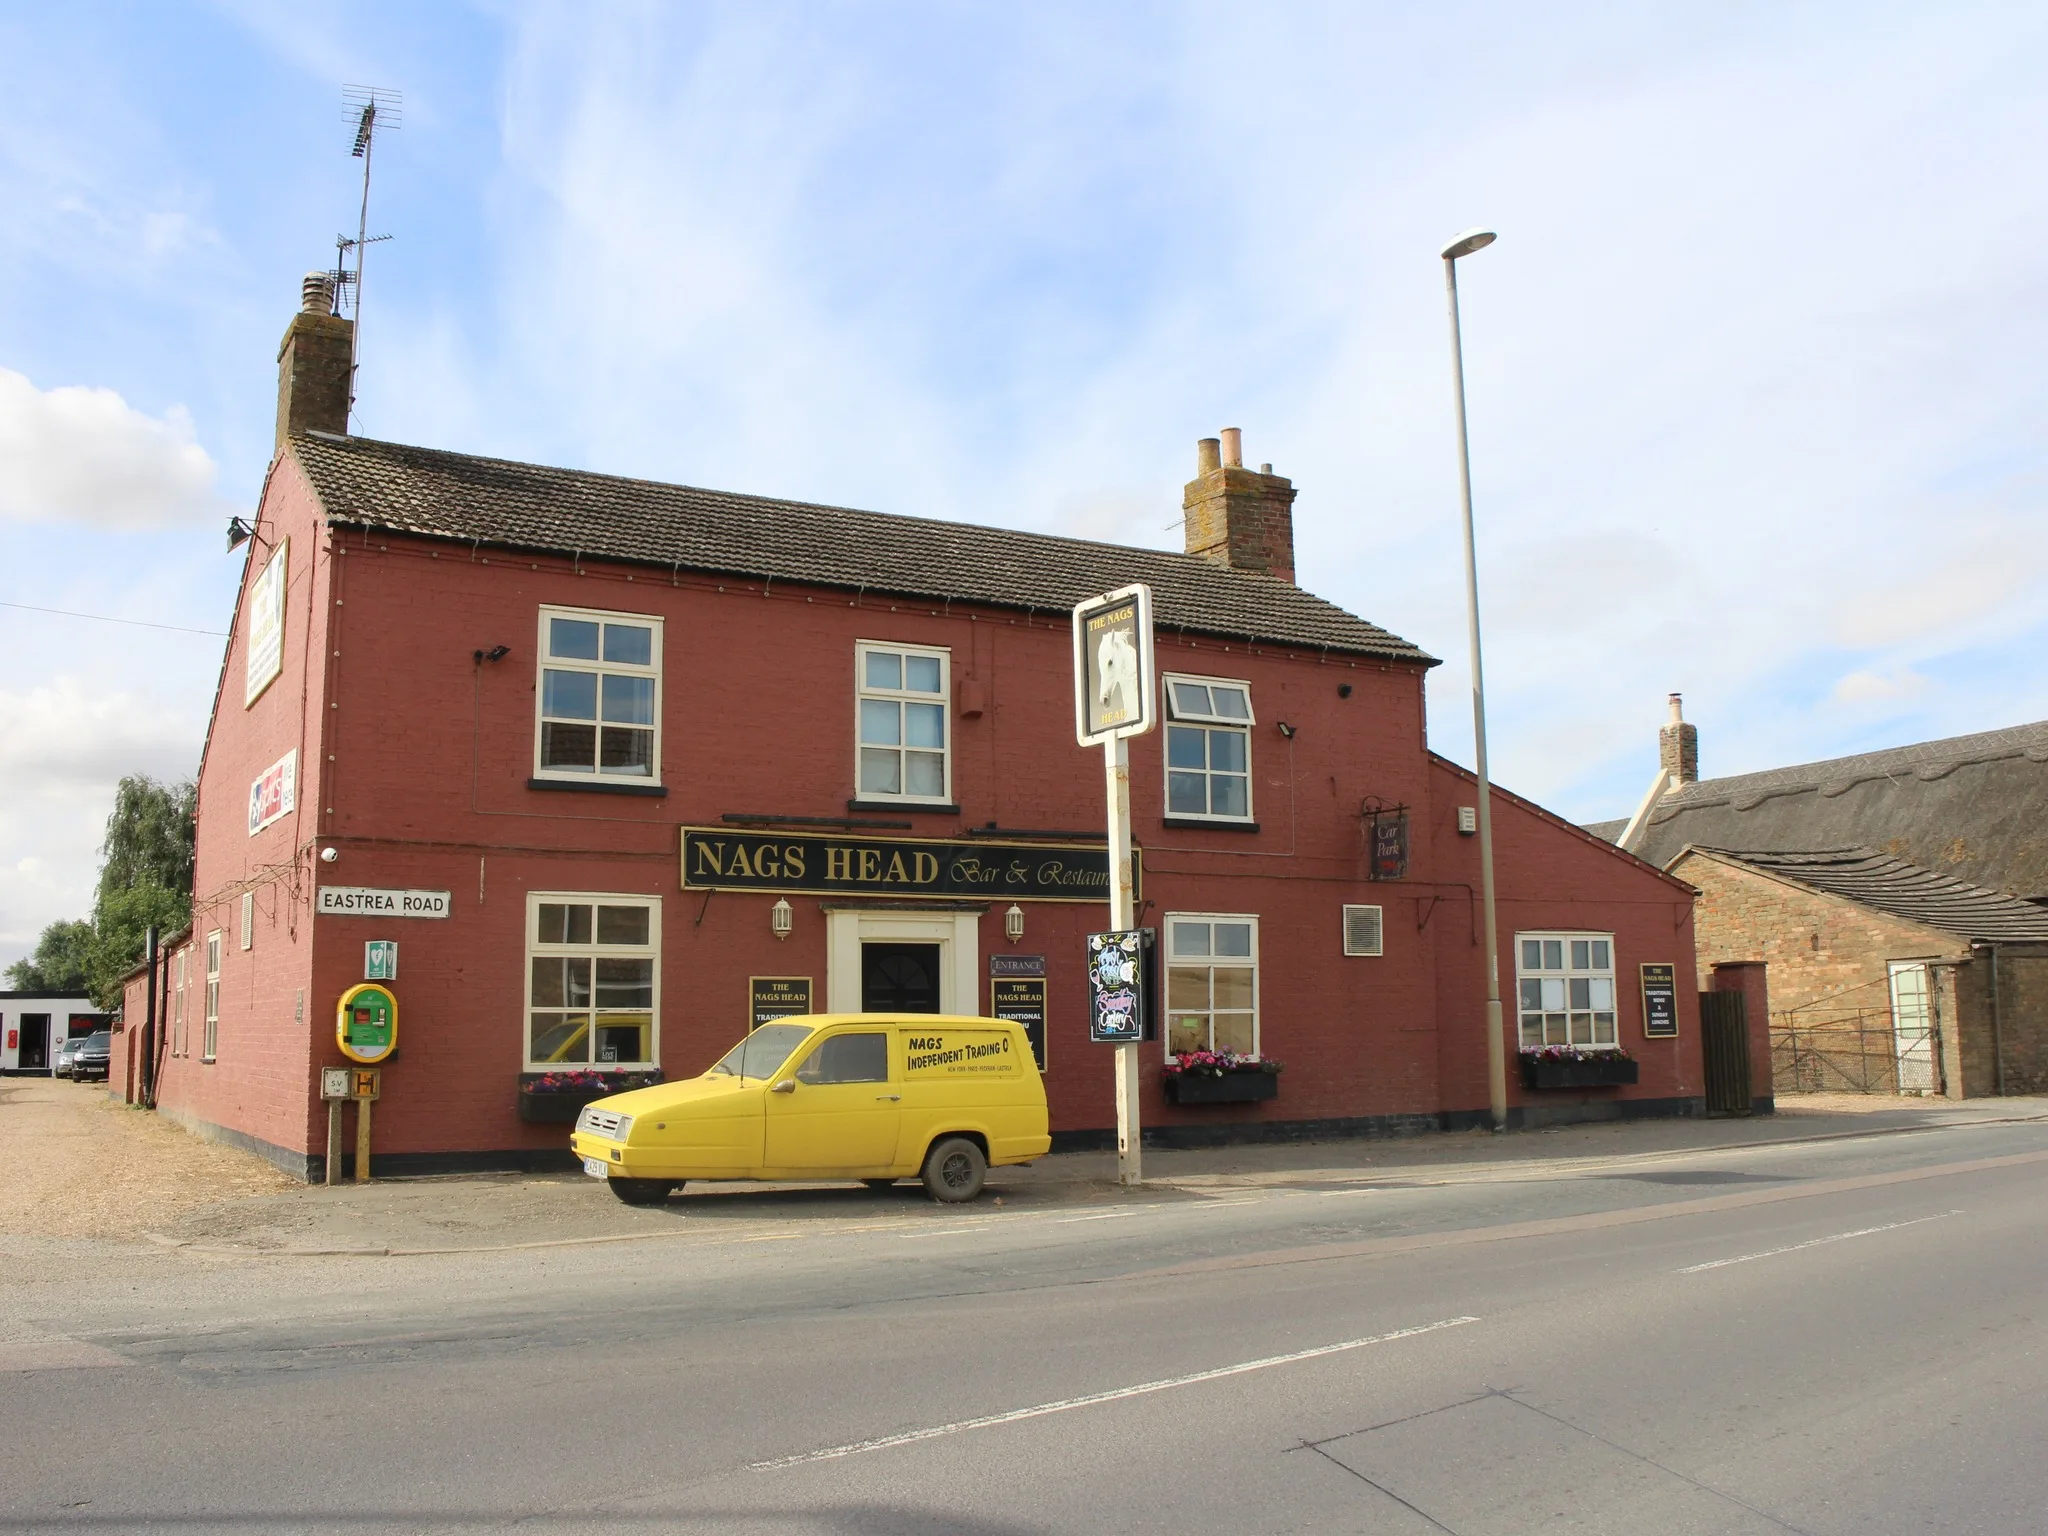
<point>561,1106</point>
<point>1578,1074</point>
<point>1231,1088</point>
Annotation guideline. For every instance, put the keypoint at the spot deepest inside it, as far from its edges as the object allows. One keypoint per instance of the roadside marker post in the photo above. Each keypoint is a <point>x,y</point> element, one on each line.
<point>1116,698</point>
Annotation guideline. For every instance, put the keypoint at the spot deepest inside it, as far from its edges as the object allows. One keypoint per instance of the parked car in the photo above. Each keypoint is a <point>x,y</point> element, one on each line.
<point>66,1049</point>
<point>94,1056</point>
<point>847,1096</point>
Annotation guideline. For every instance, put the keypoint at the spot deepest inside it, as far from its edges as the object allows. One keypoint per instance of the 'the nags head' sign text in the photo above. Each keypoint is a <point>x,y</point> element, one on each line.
<point>722,859</point>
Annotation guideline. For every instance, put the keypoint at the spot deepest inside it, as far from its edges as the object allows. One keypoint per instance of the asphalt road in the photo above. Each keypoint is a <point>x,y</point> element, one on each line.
<point>1842,1336</point>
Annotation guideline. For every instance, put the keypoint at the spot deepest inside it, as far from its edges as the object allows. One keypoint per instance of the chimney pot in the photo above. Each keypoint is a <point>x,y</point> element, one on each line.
<point>1237,519</point>
<point>313,363</point>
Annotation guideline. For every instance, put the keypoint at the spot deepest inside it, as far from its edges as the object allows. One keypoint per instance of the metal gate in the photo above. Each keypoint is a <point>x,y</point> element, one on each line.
<point>1724,1042</point>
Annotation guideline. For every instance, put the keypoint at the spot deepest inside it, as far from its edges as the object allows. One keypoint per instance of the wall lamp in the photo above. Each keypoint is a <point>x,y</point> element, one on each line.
<point>1013,923</point>
<point>781,919</point>
<point>1285,729</point>
<point>239,533</point>
<point>495,653</point>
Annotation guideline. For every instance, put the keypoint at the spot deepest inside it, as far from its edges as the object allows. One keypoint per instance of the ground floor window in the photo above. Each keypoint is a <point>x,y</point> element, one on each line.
<point>1212,983</point>
<point>593,965</point>
<point>211,1038</point>
<point>1566,985</point>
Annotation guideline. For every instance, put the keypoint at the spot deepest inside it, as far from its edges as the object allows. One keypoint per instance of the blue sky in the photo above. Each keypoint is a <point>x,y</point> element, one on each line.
<point>1757,412</point>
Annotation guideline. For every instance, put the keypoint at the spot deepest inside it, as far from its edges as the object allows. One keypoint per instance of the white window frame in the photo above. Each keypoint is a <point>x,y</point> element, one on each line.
<point>944,699</point>
<point>544,662</point>
<point>248,919</point>
<point>534,949</point>
<point>178,1006</point>
<point>1206,723</point>
<point>1167,962</point>
<point>209,1043</point>
<point>1564,974</point>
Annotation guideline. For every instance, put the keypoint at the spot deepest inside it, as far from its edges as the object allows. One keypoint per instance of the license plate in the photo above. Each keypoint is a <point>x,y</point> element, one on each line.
<point>596,1169</point>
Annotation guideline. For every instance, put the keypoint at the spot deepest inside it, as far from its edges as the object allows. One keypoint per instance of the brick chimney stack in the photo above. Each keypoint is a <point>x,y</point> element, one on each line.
<point>313,363</point>
<point>1678,747</point>
<point>1238,517</point>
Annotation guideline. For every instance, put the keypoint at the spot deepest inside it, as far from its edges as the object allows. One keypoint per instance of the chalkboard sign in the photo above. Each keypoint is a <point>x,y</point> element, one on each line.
<point>1122,999</point>
<point>776,997</point>
<point>1660,1001</point>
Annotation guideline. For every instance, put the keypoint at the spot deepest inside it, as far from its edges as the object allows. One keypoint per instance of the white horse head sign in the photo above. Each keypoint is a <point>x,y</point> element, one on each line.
<point>1113,688</point>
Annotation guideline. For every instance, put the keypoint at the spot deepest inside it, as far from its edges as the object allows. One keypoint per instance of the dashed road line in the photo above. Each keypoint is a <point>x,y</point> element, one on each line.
<point>1813,1242</point>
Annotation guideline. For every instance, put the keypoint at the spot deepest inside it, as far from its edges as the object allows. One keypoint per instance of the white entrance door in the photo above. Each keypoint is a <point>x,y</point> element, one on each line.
<point>958,935</point>
<point>1912,1025</point>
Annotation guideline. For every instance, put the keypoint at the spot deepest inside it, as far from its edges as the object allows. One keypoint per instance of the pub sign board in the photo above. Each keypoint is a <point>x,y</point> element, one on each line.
<point>776,997</point>
<point>1021,1000</point>
<point>827,864</point>
<point>1122,1000</point>
<point>1390,845</point>
<point>1660,1001</point>
<point>1114,693</point>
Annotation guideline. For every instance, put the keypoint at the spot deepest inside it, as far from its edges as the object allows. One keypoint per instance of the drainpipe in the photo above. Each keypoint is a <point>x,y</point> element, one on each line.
<point>149,1023</point>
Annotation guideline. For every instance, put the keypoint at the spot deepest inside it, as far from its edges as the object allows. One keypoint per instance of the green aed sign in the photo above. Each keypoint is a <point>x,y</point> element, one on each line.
<point>366,1023</point>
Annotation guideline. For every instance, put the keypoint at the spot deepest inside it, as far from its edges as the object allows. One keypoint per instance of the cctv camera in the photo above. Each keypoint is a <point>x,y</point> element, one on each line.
<point>329,855</point>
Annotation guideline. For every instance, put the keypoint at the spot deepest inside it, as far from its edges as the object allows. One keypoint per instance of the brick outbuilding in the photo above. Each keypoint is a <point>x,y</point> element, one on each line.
<point>622,768</point>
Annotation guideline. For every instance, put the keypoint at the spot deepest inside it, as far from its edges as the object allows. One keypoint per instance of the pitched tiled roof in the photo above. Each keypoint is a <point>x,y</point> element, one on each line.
<point>1973,806</point>
<point>1903,890</point>
<point>365,483</point>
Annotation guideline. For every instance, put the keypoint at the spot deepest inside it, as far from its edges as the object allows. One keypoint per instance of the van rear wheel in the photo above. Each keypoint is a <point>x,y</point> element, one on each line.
<point>643,1191</point>
<point>954,1170</point>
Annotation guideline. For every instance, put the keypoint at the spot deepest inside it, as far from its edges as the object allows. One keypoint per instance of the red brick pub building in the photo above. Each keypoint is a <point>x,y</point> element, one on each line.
<point>622,767</point>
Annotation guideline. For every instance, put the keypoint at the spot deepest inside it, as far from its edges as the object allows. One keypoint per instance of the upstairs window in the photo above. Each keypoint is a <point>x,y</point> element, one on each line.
<point>1566,987</point>
<point>903,693</point>
<point>1208,748</point>
<point>599,696</point>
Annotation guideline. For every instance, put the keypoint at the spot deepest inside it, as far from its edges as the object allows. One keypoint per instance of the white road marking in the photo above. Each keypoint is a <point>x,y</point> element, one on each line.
<point>1099,1216</point>
<point>1329,1194</point>
<point>912,1437</point>
<point>1813,1242</point>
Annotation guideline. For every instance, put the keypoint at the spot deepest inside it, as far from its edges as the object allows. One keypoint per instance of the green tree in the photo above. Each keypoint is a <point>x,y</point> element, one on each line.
<point>62,961</point>
<point>120,927</point>
<point>149,837</point>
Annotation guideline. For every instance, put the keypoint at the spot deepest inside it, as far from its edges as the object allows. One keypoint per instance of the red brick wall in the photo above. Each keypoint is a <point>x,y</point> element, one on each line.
<point>1549,875</point>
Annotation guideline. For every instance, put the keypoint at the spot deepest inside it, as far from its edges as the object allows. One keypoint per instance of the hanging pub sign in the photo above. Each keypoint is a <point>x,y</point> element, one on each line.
<point>1389,845</point>
<point>1122,995</point>
<point>815,864</point>
<point>1660,1001</point>
<point>1016,994</point>
<point>776,997</point>
<point>1113,689</point>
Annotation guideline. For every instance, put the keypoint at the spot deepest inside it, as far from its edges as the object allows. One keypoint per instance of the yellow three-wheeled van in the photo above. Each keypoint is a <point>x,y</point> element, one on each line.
<point>836,1096</point>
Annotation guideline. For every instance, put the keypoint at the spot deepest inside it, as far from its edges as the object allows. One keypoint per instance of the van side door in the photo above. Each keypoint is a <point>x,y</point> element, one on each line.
<point>839,1110</point>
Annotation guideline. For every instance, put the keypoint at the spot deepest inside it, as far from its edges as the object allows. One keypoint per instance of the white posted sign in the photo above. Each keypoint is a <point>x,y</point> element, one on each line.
<point>266,624</point>
<point>1114,694</point>
<point>368,901</point>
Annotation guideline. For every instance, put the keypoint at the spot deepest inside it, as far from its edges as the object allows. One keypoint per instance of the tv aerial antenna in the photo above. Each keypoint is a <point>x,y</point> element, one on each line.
<point>370,110</point>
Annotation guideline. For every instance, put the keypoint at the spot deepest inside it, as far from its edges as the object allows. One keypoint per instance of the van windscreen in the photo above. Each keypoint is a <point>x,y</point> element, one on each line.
<point>766,1049</point>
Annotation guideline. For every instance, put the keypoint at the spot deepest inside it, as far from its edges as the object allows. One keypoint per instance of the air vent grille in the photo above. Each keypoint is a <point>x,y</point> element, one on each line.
<point>1362,931</point>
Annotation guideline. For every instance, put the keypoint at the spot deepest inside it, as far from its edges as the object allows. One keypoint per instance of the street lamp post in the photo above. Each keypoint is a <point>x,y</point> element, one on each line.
<point>1496,1049</point>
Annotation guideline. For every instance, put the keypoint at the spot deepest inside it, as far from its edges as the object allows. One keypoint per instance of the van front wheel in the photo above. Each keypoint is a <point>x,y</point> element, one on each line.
<point>642,1191</point>
<point>954,1170</point>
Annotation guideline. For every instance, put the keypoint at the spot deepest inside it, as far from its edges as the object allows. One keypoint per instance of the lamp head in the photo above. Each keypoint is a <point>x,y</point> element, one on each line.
<point>1470,241</point>
<point>238,533</point>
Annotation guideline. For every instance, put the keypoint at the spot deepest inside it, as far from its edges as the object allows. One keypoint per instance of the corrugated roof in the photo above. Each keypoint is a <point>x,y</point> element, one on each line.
<point>432,494</point>
<point>1904,890</point>
<point>1974,806</point>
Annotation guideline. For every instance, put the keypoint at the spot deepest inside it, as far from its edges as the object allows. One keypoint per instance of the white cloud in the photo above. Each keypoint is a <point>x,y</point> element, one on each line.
<point>1873,687</point>
<point>81,455</point>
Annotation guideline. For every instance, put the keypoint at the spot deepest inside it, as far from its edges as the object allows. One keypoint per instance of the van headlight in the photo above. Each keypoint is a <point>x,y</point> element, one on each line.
<point>625,1127</point>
